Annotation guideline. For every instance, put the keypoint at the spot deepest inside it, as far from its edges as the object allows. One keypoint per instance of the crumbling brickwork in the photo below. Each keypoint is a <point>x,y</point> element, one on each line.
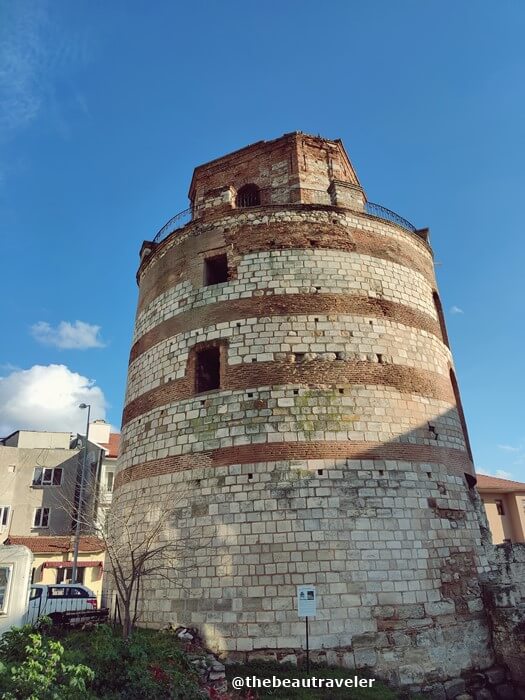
<point>334,451</point>
<point>504,592</point>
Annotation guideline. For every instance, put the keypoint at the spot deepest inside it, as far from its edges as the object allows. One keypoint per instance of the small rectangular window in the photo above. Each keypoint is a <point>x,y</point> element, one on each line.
<point>215,270</point>
<point>41,518</point>
<point>499,507</point>
<point>109,481</point>
<point>207,370</point>
<point>48,476</point>
<point>64,575</point>
<point>4,515</point>
<point>5,577</point>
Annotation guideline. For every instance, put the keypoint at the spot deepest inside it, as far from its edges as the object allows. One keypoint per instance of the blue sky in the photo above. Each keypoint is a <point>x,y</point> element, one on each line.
<point>105,108</point>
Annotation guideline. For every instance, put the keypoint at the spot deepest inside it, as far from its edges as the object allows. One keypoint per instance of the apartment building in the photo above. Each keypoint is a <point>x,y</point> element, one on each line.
<point>40,476</point>
<point>504,502</point>
<point>101,435</point>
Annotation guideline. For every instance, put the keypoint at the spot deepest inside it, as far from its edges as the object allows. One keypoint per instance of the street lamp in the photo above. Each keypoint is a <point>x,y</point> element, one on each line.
<point>80,496</point>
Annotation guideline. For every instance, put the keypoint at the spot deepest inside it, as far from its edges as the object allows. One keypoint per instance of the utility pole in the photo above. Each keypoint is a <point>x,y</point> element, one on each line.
<point>80,497</point>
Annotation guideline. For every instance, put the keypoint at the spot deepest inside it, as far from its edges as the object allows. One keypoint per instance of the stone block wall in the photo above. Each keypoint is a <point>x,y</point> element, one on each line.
<point>334,451</point>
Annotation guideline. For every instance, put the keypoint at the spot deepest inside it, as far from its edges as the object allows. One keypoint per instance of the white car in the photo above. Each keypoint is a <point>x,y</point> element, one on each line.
<point>62,602</point>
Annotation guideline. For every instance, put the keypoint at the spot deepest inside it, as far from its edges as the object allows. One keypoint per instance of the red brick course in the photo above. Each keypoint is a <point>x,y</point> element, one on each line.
<point>457,461</point>
<point>172,268</point>
<point>284,305</point>
<point>316,373</point>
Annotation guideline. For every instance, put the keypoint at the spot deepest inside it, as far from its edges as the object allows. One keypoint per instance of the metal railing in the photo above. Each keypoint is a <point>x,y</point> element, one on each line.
<point>176,222</point>
<point>182,218</point>
<point>388,215</point>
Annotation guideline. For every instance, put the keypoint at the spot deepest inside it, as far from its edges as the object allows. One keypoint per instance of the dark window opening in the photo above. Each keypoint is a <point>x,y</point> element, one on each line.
<point>441,318</point>
<point>215,270</point>
<point>499,508</point>
<point>471,480</point>
<point>459,408</point>
<point>248,196</point>
<point>320,472</point>
<point>41,517</point>
<point>250,477</point>
<point>207,373</point>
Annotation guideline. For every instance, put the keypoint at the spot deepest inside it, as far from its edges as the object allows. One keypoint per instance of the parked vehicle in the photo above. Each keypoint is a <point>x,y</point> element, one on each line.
<point>64,603</point>
<point>15,572</point>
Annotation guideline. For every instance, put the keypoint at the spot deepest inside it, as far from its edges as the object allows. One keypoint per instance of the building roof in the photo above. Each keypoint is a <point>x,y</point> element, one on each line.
<point>50,545</point>
<point>113,446</point>
<point>492,483</point>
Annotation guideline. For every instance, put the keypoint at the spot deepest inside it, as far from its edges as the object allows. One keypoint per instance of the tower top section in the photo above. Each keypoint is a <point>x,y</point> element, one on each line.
<point>295,168</point>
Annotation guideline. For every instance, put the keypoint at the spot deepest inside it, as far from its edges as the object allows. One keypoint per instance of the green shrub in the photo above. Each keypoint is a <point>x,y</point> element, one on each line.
<point>13,643</point>
<point>41,674</point>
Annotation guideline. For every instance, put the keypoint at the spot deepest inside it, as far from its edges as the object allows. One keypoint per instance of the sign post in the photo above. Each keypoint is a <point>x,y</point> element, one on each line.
<point>307,607</point>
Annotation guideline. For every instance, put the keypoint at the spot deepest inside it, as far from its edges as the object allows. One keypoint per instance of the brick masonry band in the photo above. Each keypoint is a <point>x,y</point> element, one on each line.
<point>158,275</point>
<point>284,305</point>
<point>457,461</point>
<point>317,373</point>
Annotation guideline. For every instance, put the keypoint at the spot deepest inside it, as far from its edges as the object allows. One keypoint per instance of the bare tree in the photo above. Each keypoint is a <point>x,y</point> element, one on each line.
<point>143,546</point>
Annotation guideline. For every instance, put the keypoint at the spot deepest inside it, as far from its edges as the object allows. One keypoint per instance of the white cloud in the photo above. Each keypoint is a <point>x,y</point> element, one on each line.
<point>22,63</point>
<point>35,54</point>
<point>456,310</point>
<point>68,336</point>
<point>47,398</point>
<point>509,448</point>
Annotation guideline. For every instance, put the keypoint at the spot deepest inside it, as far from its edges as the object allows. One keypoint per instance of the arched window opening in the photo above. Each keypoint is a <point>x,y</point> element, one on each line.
<point>441,317</point>
<point>248,196</point>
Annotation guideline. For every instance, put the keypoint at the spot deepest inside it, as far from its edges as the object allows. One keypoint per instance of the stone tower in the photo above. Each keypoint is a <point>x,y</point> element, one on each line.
<point>290,379</point>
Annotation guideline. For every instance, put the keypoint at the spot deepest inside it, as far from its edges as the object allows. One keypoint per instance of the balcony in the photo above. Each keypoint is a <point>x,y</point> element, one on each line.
<point>184,217</point>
